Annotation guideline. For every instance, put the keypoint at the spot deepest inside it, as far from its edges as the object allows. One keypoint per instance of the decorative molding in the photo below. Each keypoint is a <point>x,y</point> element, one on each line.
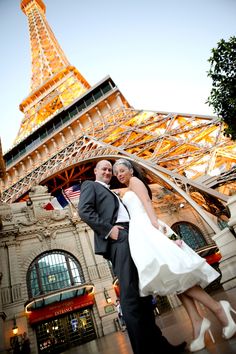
<point>3,315</point>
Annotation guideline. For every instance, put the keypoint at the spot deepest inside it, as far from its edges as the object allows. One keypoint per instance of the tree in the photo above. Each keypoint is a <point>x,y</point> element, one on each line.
<point>223,93</point>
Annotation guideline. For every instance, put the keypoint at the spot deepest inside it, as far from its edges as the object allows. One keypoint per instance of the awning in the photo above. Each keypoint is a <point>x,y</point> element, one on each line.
<point>210,253</point>
<point>60,302</point>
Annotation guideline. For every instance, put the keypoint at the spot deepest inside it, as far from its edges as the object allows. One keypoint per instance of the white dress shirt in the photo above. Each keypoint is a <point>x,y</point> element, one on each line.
<point>122,215</point>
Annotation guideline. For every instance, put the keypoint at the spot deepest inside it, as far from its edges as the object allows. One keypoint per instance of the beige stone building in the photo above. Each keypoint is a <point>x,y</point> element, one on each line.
<point>53,286</point>
<point>45,250</point>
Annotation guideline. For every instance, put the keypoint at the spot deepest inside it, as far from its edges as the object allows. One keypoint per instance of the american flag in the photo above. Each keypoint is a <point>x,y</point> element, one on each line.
<point>72,192</point>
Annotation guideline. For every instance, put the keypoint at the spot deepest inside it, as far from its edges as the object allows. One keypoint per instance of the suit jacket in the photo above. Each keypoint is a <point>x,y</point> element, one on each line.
<point>98,208</point>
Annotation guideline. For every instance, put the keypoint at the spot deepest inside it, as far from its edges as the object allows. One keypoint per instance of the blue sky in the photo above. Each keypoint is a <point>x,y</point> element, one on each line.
<point>156,51</point>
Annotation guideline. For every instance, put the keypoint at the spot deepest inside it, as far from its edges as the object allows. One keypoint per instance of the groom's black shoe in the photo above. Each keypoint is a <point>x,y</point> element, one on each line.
<point>173,349</point>
<point>177,349</point>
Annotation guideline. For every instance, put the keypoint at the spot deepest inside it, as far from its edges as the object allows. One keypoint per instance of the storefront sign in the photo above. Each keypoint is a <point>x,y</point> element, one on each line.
<point>60,308</point>
<point>109,308</point>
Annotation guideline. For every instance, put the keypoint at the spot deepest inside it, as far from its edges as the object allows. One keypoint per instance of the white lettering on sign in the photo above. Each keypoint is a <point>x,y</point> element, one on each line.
<point>66,309</point>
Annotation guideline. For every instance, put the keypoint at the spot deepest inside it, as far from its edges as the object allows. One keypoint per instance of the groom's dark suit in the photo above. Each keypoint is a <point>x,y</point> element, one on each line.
<point>98,207</point>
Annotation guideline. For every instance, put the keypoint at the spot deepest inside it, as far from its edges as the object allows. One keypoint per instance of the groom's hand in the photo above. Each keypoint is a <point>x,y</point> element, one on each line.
<point>115,232</point>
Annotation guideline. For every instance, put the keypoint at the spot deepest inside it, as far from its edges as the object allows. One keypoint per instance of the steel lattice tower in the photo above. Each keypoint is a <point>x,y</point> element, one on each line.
<point>54,82</point>
<point>68,125</point>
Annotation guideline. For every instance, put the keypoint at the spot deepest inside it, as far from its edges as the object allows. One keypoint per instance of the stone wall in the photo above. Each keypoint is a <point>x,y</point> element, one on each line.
<point>29,230</point>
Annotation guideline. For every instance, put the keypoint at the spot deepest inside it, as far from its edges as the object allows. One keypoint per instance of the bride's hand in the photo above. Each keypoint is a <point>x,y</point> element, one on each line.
<point>179,243</point>
<point>158,226</point>
<point>117,192</point>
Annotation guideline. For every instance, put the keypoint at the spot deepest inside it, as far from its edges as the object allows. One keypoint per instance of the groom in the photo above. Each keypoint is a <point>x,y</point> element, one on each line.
<point>103,211</point>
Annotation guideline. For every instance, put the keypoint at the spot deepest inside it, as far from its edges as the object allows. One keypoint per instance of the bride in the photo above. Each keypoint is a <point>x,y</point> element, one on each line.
<point>166,266</point>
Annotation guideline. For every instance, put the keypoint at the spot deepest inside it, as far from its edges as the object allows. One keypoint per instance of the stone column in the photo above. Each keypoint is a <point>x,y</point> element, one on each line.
<point>226,242</point>
<point>2,318</point>
<point>232,208</point>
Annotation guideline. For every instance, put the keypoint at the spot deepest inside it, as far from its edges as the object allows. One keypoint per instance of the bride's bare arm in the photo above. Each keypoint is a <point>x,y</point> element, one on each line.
<point>138,187</point>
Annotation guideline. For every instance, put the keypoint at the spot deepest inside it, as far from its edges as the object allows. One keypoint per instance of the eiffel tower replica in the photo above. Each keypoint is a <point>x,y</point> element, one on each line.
<point>68,125</point>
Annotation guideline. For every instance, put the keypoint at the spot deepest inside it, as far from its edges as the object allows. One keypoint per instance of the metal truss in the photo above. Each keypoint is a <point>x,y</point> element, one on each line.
<point>182,147</point>
<point>186,154</point>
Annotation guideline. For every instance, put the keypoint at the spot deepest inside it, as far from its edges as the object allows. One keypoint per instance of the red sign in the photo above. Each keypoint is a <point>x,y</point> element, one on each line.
<point>117,290</point>
<point>60,308</point>
<point>214,258</point>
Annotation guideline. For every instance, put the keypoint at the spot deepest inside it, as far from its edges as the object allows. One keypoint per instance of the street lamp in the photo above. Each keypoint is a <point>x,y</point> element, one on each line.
<point>14,328</point>
<point>107,296</point>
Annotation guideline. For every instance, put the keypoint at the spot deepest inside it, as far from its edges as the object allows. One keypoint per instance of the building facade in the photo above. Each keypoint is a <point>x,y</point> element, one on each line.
<point>52,285</point>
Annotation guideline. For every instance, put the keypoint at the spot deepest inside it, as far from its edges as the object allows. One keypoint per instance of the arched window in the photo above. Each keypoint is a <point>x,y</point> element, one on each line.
<point>53,271</point>
<point>191,234</point>
<point>222,223</point>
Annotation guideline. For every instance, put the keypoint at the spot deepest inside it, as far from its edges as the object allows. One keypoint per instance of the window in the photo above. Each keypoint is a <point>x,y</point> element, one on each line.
<point>73,112</point>
<point>106,88</point>
<point>190,234</point>
<point>97,94</point>
<point>43,135</point>
<point>222,224</point>
<point>57,124</point>
<point>89,100</point>
<point>65,118</point>
<point>53,271</point>
<point>81,107</point>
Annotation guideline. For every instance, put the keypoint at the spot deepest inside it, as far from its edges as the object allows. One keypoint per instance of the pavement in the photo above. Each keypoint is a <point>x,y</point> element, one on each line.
<point>175,325</point>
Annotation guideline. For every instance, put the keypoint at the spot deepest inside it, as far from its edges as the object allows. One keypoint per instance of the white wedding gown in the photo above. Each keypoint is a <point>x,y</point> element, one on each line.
<point>163,267</point>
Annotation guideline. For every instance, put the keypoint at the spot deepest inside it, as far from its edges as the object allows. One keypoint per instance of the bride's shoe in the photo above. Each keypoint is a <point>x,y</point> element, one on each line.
<point>199,342</point>
<point>230,329</point>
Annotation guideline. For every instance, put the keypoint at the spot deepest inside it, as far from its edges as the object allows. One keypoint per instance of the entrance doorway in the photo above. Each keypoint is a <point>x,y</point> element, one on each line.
<point>64,332</point>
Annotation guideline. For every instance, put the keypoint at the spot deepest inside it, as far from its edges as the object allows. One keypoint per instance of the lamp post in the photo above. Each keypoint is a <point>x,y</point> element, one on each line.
<point>14,328</point>
<point>107,296</point>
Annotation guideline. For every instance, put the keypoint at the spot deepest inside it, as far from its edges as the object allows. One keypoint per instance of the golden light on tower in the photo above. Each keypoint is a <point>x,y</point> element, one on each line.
<point>54,82</point>
<point>67,124</point>
<point>187,145</point>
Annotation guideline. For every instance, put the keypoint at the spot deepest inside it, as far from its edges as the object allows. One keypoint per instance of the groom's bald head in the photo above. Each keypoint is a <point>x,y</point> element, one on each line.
<point>103,171</point>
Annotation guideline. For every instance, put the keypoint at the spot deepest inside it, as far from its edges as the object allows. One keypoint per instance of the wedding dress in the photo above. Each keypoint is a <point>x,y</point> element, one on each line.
<point>163,267</point>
